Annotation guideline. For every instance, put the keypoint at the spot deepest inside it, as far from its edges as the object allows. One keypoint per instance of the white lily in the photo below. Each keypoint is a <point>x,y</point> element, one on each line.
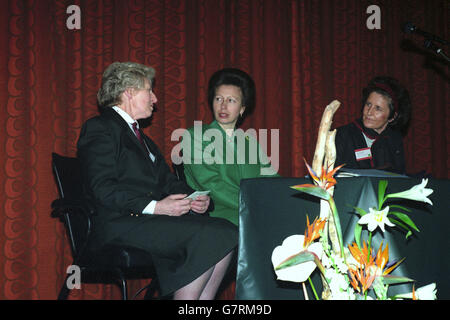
<point>418,193</point>
<point>375,219</point>
<point>291,246</point>
<point>427,292</point>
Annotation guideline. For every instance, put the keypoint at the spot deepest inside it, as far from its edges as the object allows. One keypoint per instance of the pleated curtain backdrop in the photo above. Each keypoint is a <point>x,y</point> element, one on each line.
<point>302,55</point>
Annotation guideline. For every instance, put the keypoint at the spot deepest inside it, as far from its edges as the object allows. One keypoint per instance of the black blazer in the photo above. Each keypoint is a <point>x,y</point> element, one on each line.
<point>387,150</point>
<point>119,176</point>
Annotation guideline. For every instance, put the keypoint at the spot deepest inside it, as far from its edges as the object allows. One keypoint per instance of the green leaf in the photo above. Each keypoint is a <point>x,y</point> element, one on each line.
<point>314,190</point>
<point>360,211</point>
<point>382,185</point>
<point>358,227</point>
<point>405,218</point>
<point>390,279</point>
<point>301,257</point>
<point>400,207</point>
<point>402,225</point>
<point>399,223</point>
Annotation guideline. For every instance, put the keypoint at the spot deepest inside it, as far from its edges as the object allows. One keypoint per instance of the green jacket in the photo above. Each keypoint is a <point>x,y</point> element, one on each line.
<point>218,164</point>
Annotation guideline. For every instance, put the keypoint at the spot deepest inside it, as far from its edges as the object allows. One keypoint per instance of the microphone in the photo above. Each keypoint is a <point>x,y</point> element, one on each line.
<point>409,27</point>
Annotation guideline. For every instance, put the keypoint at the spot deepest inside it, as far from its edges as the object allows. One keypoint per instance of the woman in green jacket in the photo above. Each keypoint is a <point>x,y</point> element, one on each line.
<point>221,155</point>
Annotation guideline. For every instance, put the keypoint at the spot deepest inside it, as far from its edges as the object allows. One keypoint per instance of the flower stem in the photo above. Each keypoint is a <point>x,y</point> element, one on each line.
<point>369,242</point>
<point>337,223</point>
<point>313,288</point>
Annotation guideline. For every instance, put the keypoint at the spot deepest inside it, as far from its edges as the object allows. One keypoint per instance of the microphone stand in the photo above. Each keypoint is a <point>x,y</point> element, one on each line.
<point>429,44</point>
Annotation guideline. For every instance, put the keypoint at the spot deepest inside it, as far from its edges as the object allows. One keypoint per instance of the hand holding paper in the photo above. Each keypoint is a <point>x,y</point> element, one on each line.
<point>196,194</point>
<point>200,201</point>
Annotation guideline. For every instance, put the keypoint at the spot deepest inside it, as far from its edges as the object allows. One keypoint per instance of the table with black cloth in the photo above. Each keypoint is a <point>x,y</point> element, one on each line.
<point>270,211</point>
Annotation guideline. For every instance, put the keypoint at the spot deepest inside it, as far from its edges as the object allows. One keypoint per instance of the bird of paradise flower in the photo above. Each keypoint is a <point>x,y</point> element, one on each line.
<point>320,189</point>
<point>370,266</point>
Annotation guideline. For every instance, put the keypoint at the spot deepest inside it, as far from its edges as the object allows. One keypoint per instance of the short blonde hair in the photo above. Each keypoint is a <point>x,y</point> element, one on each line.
<point>120,76</point>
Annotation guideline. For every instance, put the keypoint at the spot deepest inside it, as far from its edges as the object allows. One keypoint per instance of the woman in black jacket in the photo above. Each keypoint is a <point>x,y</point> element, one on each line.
<point>375,140</point>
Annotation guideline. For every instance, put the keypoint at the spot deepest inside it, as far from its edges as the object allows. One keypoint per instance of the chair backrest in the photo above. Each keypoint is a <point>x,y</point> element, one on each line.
<point>178,170</point>
<point>67,172</point>
<point>68,178</point>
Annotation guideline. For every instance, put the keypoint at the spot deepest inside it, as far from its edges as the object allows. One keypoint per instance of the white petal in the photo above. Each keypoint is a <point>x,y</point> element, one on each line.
<point>388,222</point>
<point>372,225</point>
<point>427,292</point>
<point>290,246</point>
<point>364,219</point>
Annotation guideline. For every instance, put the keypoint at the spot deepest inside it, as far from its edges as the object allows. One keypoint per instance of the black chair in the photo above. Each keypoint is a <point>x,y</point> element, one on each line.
<point>114,264</point>
<point>178,170</point>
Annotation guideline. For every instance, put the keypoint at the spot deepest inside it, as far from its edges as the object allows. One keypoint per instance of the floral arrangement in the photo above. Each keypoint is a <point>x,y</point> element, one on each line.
<point>358,271</point>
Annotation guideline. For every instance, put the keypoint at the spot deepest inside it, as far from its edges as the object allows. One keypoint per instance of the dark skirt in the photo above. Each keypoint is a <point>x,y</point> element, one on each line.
<point>182,248</point>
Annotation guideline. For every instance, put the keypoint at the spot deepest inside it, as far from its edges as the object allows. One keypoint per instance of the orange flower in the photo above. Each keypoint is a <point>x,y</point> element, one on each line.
<point>368,266</point>
<point>363,257</point>
<point>382,259</point>
<point>361,276</point>
<point>312,231</point>
<point>382,256</point>
<point>414,296</point>
<point>326,180</point>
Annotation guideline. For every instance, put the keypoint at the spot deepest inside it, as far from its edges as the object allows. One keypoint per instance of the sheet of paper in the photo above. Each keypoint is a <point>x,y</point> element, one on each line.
<point>196,194</point>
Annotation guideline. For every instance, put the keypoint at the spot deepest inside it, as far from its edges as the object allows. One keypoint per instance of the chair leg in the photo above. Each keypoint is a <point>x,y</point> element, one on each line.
<point>152,287</point>
<point>124,287</point>
<point>64,292</point>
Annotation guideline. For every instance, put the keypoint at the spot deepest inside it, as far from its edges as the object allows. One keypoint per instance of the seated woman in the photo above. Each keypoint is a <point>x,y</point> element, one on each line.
<point>222,155</point>
<point>374,141</point>
<point>139,202</point>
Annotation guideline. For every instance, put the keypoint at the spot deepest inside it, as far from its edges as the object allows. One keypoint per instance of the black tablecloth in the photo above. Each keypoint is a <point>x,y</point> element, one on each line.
<point>270,211</point>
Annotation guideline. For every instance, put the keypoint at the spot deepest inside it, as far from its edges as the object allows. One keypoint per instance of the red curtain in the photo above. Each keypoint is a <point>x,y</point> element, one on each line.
<point>302,55</point>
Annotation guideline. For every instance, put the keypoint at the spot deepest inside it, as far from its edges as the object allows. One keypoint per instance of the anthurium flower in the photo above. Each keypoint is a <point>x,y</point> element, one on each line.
<point>427,292</point>
<point>418,193</point>
<point>293,247</point>
<point>375,219</point>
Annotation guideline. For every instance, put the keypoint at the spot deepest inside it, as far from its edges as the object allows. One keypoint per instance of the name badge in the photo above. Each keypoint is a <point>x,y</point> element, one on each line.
<point>363,154</point>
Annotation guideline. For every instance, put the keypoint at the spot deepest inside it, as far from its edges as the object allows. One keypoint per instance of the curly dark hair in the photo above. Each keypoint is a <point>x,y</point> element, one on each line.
<point>398,97</point>
<point>238,78</point>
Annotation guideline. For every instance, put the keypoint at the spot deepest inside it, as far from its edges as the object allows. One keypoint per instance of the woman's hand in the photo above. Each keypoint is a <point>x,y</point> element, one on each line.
<point>173,205</point>
<point>200,204</point>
